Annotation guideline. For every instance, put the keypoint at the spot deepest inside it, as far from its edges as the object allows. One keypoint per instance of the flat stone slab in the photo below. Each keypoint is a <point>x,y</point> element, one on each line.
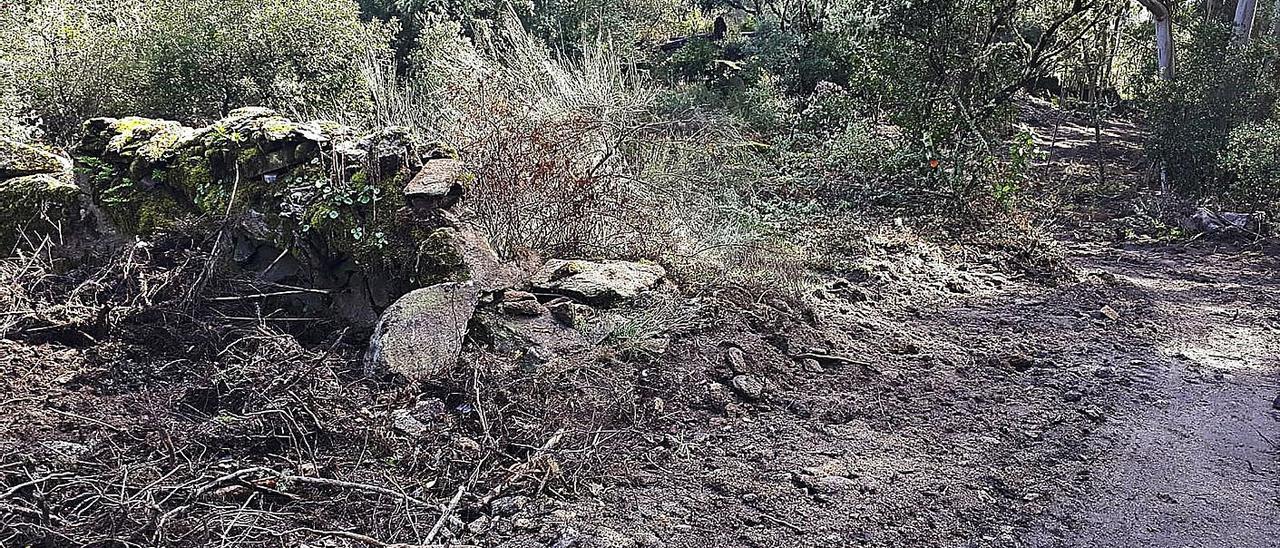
<point>420,335</point>
<point>597,282</point>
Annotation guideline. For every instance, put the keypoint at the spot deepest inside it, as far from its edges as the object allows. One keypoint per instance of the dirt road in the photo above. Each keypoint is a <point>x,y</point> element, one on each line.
<point>1189,454</point>
<point>1130,408</point>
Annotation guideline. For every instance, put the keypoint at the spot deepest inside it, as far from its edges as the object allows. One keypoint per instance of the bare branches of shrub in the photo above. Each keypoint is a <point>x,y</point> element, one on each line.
<point>569,157</point>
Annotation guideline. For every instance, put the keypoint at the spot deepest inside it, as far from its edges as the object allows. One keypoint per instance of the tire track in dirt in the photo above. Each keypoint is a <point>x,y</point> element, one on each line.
<point>1188,457</point>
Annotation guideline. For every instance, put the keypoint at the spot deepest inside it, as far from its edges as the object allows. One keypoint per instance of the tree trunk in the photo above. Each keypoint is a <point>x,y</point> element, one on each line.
<point>1245,11</point>
<point>1164,47</point>
<point>1164,35</point>
<point>1275,20</point>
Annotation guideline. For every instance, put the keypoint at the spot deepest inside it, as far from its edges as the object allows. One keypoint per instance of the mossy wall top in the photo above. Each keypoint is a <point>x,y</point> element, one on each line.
<point>316,189</point>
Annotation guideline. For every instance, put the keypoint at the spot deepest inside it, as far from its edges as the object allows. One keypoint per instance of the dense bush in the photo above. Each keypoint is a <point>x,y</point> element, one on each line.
<point>192,60</point>
<point>1218,89</point>
<point>915,98</point>
<point>1252,157</point>
<point>1213,126</point>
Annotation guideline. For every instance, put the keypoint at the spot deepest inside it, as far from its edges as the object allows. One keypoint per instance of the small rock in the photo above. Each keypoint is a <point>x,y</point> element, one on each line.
<point>811,365</point>
<point>520,303</point>
<point>748,386</point>
<point>1104,372</point>
<point>737,360</point>
<point>1093,413</point>
<point>508,506</point>
<point>1109,313</point>
<point>1276,404</point>
<point>466,444</point>
<point>403,421</point>
<point>479,526</point>
<point>438,185</point>
<point>1031,497</point>
<point>64,453</point>
<point>827,484</point>
<point>569,313</point>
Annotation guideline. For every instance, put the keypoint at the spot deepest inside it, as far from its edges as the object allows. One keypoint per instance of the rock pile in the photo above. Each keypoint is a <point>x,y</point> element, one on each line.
<point>314,204</point>
<point>367,219</point>
<point>532,321</point>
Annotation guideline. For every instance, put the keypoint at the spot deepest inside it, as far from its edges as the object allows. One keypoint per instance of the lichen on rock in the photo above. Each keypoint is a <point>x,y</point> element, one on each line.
<point>597,282</point>
<point>420,336</point>
<point>21,159</point>
<point>326,193</point>
<point>36,192</point>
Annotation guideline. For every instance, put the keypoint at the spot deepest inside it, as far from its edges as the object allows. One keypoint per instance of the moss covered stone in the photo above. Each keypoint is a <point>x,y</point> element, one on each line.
<point>35,202</point>
<point>20,159</point>
<point>327,193</point>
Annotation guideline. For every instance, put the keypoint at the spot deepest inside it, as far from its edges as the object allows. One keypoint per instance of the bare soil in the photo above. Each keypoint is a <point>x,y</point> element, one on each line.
<point>919,394</point>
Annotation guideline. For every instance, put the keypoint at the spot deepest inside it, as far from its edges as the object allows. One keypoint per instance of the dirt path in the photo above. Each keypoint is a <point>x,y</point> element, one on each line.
<point>1130,408</point>
<point>920,394</point>
<point>1188,456</point>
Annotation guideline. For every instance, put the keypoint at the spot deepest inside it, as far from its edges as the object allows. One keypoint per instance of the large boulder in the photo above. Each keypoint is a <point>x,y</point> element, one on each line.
<point>597,282</point>
<point>420,336</point>
<point>38,202</point>
<point>20,160</point>
<point>37,194</point>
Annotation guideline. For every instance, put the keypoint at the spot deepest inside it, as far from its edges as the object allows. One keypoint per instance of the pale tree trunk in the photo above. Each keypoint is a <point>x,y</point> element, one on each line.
<point>1164,35</point>
<point>1245,11</point>
<point>1275,19</point>
<point>1163,17</point>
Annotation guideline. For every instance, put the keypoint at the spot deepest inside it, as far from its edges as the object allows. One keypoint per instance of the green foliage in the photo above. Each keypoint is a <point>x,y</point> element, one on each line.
<point>1252,157</point>
<point>203,58</point>
<point>1208,112</point>
<point>815,79</point>
<point>191,60</point>
<point>566,26</point>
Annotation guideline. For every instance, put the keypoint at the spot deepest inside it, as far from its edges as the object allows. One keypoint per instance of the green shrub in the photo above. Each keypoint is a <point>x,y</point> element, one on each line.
<point>1252,158</point>
<point>69,60</point>
<point>204,58</point>
<point>1193,118</point>
<point>191,60</point>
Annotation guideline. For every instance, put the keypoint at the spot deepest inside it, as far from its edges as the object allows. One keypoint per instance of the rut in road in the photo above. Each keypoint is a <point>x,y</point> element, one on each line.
<point>1188,457</point>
